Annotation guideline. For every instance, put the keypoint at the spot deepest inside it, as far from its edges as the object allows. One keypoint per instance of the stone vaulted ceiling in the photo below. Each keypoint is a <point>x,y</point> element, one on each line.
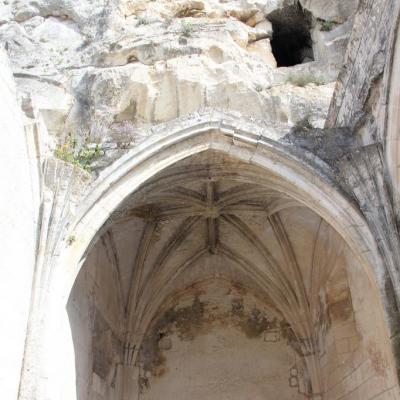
<point>212,216</point>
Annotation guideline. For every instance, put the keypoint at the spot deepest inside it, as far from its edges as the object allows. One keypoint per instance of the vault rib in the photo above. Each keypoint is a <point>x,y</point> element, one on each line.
<point>177,198</point>
<point>290,258</point>
<point>279,277</point>
<point>212,223</point>
<point>289,313</point>
<point>315,270</point>
<point>233,198</point>
<point>310,343</point>
<point>294,268</point>
<point>140,260</point>
<point>165,253</point>
<point>267,210</point>
<point>161,287</point>
<point>192,194</point>
<point>252,208</point>
<point>322,264</point>
<point>212,239</point>
<point>111,249</point>
<point>281,204</point>
<point>262,280</point>
<point>180,211</point>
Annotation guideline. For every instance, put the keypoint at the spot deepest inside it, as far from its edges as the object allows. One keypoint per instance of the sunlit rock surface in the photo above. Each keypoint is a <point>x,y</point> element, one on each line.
<point>98,72</point>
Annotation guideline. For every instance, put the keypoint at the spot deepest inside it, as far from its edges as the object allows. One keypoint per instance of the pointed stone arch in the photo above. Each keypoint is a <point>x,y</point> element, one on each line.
<point>252,144</point>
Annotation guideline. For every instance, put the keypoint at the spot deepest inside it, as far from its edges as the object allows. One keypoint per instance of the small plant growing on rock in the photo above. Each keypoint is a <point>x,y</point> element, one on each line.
<point>327,26</point>
<point>70,240</point>
<point>81,158</point>
<point>187,29</point>
<point>142,21</point>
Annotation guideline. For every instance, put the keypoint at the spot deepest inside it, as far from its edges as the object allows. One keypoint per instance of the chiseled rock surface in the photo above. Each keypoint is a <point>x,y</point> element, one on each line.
<point>362,87</point>
<point>99,71</point>
<point>338,11</point>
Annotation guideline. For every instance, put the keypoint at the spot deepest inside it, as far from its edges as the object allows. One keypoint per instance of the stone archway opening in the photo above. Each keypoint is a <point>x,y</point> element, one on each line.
<point>291,41</point>
<point>212,256</point>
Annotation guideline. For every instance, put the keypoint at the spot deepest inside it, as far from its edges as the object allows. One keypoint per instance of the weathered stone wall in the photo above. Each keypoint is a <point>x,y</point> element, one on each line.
<point>361,91</point>
<point>369,375</point>
<point>360,103</point>
<point>218,342</point>
<point>18,230</point>
<point>357,356</point>
<point>97,321</point>
<point>392,128</point>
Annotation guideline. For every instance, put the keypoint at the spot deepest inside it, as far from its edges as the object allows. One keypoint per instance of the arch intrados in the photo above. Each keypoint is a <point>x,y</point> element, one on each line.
<point>130,172</point>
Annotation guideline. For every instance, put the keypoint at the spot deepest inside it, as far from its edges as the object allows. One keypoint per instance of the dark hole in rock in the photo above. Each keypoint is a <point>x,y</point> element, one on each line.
<point>291,40</point>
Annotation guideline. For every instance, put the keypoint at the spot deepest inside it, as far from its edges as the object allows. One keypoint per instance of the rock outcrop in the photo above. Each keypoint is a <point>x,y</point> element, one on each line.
<point>101,73</point>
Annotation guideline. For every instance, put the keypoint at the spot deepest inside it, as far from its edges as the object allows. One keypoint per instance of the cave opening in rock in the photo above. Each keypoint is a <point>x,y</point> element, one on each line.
<point>291,41</point>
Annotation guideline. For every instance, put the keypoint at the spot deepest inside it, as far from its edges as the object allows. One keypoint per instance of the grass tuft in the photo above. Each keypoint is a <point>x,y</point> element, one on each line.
<point>81,158</point>
<point>327,26</point>
<point>187,29</point>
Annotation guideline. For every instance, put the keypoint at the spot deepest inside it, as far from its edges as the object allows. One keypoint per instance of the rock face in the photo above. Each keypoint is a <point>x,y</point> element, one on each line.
<point>98,73</point>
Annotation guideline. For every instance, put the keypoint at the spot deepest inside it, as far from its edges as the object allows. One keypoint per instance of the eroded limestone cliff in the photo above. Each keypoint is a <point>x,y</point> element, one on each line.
<point>100,73</point>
